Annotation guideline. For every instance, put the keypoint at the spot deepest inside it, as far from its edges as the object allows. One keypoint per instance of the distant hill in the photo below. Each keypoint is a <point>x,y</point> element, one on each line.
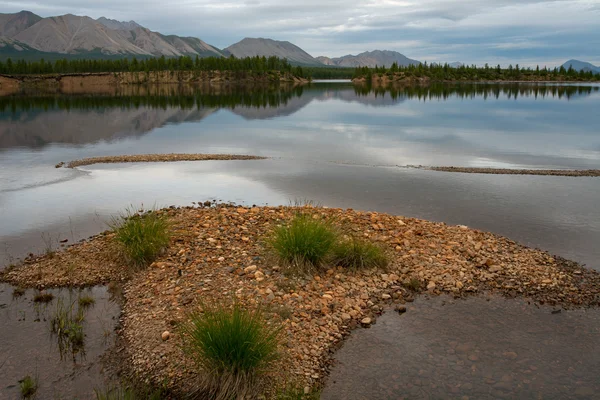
<point>581,66</point>
<point>370,59</point>
<point>28,35</point>
<point>250,47</point>
<point>456,64</point>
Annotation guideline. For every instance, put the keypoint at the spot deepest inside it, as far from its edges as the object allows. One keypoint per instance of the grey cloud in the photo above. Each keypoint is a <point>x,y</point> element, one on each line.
<point>471,31</point>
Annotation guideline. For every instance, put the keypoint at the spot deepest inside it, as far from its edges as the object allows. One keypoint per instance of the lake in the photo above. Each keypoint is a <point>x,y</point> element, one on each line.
<point>340,146</point>
<point>330,142</point>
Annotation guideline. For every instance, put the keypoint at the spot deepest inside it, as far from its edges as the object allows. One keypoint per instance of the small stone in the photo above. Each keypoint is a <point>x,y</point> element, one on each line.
<point>306,390</point>
<point>400,309</point>
<point>495,268</point>
<point>366,321</point>
<point>346,317</point>
<point>328,297</point>
<point>221,259</point>
<point>250,269</point>
<point>431,285</point>
<point>259,276</point>
<point>386,296</point>
<point>165,335</point>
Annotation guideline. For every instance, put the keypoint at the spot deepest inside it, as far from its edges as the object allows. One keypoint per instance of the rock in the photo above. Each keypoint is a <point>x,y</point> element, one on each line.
<point>250,269</point>
<point>400,309</point>
<point>431,285</point>
<point>386,296</point>
<point>495,268</point>
<point>346,317</point>
<point>510,355</point>
<point>327,297</point>
<point>259,276</point>
<point>166,335</point>
<point>366,321</point>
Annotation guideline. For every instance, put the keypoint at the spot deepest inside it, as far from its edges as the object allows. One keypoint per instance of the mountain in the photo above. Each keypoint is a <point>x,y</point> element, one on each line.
<point>12,24</point>
<point>370,59</point>
<point>581,66</point>
<point>25,33</point>
<point>456,64</point>
<point>250,47</point>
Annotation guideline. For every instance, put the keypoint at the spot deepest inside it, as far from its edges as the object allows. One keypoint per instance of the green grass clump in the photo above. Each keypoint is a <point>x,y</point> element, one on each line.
<point>413,284</point>
<point>67,325</point>
<point>304,243</point>
<point>86,301</point>
<point>355,253</point>
<point>28,387</point>
<point>233,341</point>
<point>234,346</point>
<point>142,236</point>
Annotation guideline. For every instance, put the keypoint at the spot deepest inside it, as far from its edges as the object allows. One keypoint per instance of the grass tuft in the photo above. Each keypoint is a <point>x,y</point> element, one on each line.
<point>295,392</point>
<point>28,387</point>
<point>413,284</point>
<point>129,393</point>
<point>355,253</point>
<point>303,244</point>
<point>67,325</point>
<point>86,301</point>
<point>43,297</point>
<point>234,346</point>
<point>234,341</point>
<point>142,236</point>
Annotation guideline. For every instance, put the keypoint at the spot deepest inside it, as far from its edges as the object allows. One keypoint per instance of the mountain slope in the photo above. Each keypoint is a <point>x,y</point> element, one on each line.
<point>12,24</point>
<point>581,66</point>
<point>72,34</point>
<point>31,36</point>
<point>370,59</point>
<point>250,47</point>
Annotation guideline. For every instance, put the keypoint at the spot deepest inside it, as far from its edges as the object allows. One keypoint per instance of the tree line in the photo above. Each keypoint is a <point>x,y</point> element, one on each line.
<point>445,72</point>
<point>259,65</point>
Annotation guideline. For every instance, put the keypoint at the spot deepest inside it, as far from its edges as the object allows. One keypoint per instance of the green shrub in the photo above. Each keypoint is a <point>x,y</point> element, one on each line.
<point>231,341</point>
<point>304,243</point>
<point>142,236</point>
<point>28,387</point>
<point>355,253</point>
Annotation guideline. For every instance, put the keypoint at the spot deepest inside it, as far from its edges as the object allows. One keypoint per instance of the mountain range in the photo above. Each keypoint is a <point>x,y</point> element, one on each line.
<point>25,35</point>
<point>381,58</point>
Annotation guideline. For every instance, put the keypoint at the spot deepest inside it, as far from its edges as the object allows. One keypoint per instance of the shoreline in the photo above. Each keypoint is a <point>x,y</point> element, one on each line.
<point>213,247</point>
<point>169,157</point>
<point>508,171</point>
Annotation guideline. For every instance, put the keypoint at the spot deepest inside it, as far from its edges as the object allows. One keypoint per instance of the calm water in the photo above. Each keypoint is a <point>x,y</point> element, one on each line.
<point>342,147</point>
<point>475,349</point>
<point>331,142</point>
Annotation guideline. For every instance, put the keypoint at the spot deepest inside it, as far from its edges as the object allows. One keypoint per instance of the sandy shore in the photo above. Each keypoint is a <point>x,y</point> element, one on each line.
<point>216,254</point>
<point>156,158</point>
<point>508,171</point>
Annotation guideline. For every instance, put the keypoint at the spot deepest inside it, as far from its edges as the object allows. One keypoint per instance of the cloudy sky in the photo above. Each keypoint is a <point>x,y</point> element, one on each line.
<point>527,32</point>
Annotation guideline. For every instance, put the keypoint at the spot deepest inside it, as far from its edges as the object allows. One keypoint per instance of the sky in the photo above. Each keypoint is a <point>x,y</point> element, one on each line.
<point>524,32</point>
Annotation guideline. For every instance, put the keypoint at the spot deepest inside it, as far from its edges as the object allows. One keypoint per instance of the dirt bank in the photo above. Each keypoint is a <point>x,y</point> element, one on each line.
<point>89,82</point>
<point>216,253</point>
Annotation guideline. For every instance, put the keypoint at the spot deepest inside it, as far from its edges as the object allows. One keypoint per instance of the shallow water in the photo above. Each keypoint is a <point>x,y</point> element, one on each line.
<point>28,347</point>
<point>479,348</point>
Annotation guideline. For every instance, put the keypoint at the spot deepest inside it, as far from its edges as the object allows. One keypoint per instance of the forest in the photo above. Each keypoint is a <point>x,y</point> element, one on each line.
<point>438,72</point>
<point>261,65</point>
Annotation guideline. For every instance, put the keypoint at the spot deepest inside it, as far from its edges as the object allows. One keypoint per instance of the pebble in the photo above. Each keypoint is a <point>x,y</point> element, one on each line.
<point>165,335</point>
<point>250,269</point>
<point>366,321</point>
